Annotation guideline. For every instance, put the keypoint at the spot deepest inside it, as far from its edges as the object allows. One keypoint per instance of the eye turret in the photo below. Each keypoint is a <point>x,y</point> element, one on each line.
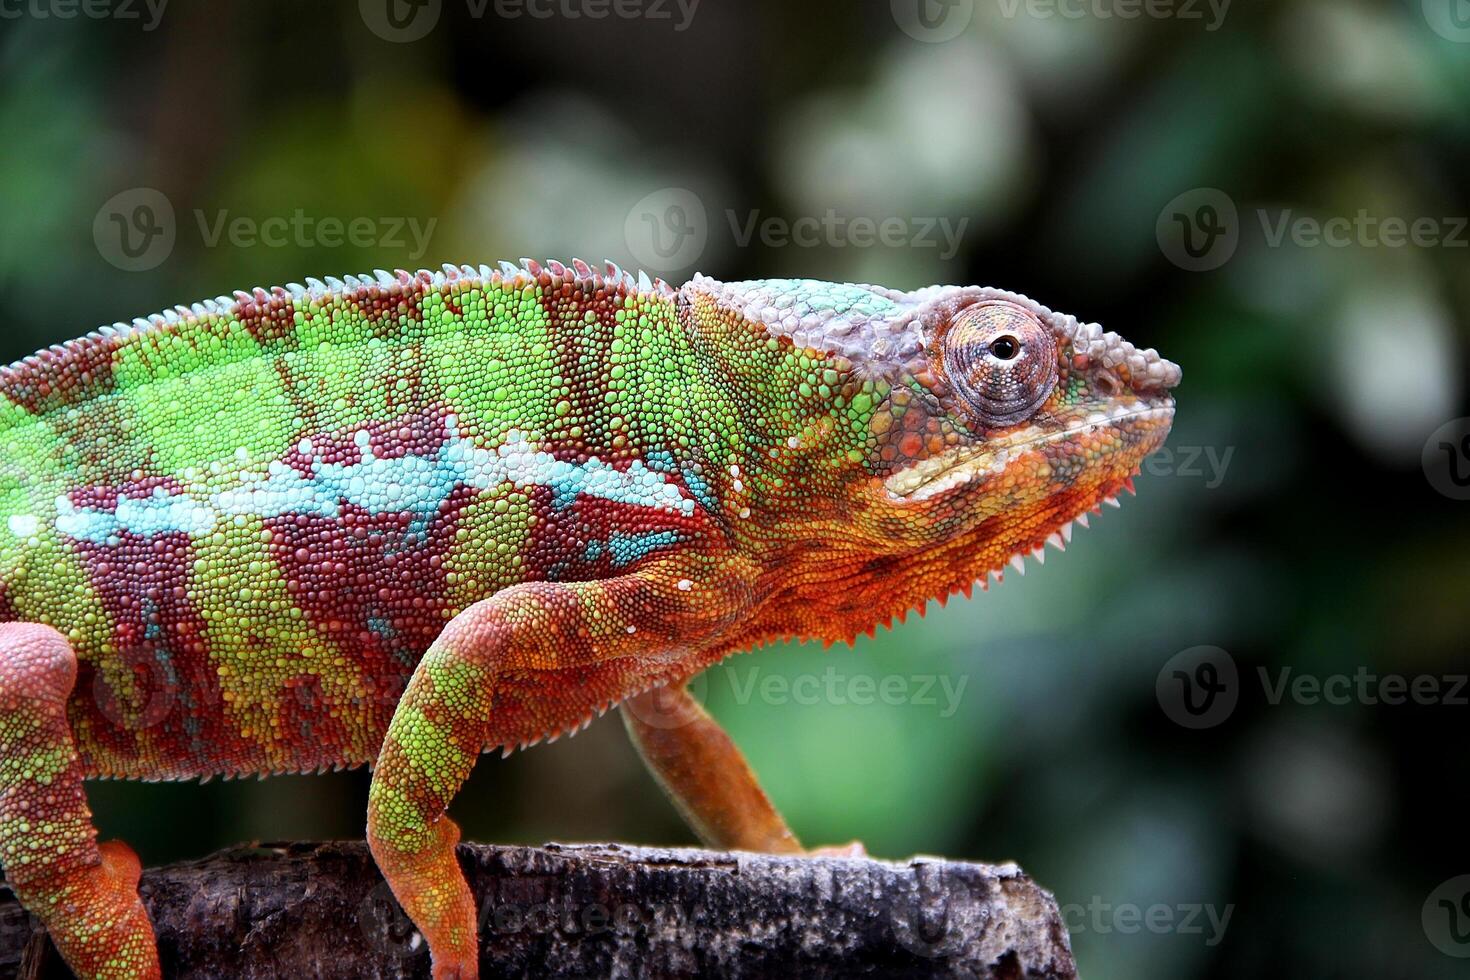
<point>1001,360</point>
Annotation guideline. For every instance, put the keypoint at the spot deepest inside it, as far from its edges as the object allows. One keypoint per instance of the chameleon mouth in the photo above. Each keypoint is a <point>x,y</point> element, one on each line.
<point>930,477</point>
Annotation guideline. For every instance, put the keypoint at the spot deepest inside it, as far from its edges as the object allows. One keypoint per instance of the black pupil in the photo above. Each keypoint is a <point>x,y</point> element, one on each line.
<point>1005,348</point>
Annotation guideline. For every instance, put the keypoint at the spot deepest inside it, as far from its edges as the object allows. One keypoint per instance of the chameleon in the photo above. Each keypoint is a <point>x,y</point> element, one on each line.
<point>402,519</point>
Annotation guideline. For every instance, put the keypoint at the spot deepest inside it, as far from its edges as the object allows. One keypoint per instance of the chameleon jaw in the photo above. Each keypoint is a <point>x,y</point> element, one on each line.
<point>957,467</point>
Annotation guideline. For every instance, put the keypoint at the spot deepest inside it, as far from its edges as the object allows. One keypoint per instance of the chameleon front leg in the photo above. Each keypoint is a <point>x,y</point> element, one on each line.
<point>704,773</point>
<point>532,661</point>
<point>84,893</point>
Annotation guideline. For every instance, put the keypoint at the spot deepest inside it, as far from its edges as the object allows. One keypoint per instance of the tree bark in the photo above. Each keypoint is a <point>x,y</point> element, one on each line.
<point>596,910</point>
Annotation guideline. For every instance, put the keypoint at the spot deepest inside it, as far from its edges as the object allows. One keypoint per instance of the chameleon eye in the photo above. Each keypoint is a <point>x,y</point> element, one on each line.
<point>1005,348</point>
<point>1001,360</point>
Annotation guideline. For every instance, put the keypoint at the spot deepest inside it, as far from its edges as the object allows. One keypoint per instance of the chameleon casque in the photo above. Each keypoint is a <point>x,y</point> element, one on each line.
<point>403,519</point>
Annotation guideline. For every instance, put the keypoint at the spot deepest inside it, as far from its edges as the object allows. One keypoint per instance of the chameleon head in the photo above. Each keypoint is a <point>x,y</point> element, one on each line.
<point>1007,421</point>
<point>972,425</point>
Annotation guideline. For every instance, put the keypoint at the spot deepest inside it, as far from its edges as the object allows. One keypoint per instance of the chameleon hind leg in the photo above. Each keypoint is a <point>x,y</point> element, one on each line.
<point>85,894</point>
<point>704,773</point>
<point>534,660</point>
<point>707,778</point>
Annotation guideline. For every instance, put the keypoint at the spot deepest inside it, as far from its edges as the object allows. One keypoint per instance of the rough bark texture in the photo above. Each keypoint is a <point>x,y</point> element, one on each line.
<point>322,910</point>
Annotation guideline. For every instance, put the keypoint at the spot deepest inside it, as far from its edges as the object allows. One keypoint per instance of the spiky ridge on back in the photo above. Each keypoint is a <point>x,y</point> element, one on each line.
<point>72,371</point>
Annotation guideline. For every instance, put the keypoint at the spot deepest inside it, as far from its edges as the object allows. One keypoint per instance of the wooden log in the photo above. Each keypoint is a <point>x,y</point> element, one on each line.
<point>593,910</point>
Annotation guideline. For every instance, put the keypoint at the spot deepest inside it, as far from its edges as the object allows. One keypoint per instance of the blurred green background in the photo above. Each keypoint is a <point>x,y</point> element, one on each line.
<point>1297,527</point>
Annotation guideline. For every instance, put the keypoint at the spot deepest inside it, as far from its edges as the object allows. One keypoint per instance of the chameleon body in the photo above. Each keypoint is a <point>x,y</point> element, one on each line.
<point>403,519</point>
